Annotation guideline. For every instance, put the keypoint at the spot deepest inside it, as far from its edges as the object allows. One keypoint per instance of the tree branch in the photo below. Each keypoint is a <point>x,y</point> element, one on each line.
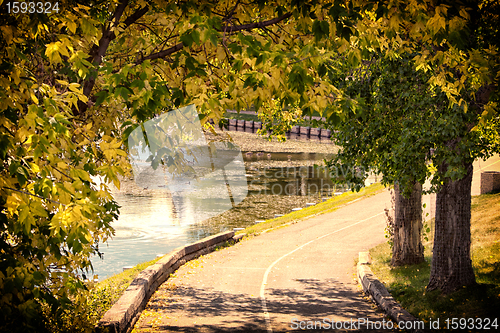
<point>250,26</point>
<point>34,195</point>
<point>98,51</point>
<point>135,16</point>
<point>161,54</point>
<point>255,25</point>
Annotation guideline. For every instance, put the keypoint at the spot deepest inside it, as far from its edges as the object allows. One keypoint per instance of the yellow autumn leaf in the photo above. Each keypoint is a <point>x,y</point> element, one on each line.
<point>34,98</point>
<point>75,87</point>
<point>83,98</point>
<point>62,165</point>
<point>71,26</point>
<point>8,33</point>
<point>37,209</point>
<point>12,203</point>
<point>52,52</point>
<point>34,167</point>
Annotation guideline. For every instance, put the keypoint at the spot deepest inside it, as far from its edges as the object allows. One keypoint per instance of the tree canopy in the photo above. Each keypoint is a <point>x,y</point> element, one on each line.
<point>75,81</point>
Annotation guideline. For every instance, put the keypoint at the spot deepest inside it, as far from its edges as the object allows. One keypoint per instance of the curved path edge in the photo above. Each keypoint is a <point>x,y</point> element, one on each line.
<point>126,311</point>
<point>379,293</point>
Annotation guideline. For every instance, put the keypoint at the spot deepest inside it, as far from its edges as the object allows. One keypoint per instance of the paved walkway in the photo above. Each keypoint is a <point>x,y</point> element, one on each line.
<point>267,283</point>
<point>278,281</point>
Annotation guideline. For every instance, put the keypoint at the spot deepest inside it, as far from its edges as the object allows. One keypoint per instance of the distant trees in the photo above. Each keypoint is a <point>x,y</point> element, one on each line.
<point>443,104</point>
<point>383,132</point>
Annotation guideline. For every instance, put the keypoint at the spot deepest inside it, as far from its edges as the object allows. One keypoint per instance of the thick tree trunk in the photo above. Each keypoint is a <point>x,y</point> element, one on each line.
<point>407,247</point>
<point>451,266</point>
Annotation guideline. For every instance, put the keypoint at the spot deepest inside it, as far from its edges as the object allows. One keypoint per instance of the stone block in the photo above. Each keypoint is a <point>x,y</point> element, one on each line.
<point>364,258</point>
<point>315,132</point>
<point>304,130</point>
<point>490,181</point>
<point>326,133</point>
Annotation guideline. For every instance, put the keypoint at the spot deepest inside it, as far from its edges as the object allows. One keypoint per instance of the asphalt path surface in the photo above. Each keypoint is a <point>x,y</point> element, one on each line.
<point>277,281</point>
<point>301,276</point>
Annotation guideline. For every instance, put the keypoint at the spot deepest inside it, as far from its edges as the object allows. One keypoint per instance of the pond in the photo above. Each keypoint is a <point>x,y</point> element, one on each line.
<point>154,222</point>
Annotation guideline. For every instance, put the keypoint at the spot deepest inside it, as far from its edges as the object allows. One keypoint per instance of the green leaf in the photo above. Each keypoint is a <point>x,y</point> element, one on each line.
<point>214,39</point>
<point>191,63</point>
<point>320,29</point>
<point>101,97</point>
<point>138,84</point>
<point>61,119</point>
<point>125,93</point>
<point>195,35</point>
<point>187,40</point>
<point>128,131</point>
<point>235,48</point>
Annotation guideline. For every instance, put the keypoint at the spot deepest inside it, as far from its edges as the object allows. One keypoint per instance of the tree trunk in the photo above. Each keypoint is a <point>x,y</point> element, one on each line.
<point>407,246</point>
<point>451,266</point>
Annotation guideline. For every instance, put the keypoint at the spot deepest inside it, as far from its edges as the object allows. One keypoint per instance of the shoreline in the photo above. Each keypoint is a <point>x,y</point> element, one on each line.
<point>254,142</point>
<point>249,142</point>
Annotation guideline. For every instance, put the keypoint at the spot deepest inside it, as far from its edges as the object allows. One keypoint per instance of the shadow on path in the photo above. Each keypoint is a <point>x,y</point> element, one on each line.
<point>316,306</point>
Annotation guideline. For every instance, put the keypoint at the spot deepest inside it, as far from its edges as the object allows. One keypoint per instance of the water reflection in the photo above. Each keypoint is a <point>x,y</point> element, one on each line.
<point>159,222</point>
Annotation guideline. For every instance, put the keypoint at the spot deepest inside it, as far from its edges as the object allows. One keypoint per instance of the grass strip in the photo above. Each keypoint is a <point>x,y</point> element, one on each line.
<point>407,284</point>
<point>105,293</point>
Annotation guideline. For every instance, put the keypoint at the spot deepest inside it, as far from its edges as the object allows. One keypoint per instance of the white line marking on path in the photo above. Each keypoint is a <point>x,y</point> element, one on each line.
<point>268,270</point>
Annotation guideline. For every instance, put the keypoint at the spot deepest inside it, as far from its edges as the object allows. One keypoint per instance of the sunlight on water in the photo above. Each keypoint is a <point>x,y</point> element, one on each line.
<point>152,224</point>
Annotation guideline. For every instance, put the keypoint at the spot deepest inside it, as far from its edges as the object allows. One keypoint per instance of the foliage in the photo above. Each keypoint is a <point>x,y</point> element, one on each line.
<point>75,82</point>
<point>277,120</point>
<point>400,123</point>
<point>424,94</point>
<point>54,212</point>
<point>430,80</point>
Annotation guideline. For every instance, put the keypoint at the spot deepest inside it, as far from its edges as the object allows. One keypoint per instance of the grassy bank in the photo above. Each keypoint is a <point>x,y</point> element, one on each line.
<point>408,284</point>
<point>105,293</point>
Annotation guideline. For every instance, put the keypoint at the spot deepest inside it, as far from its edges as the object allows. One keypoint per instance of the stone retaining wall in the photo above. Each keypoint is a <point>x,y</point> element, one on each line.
<point>296,132</point>
<point>126,311</point>
<point>380,295</point>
